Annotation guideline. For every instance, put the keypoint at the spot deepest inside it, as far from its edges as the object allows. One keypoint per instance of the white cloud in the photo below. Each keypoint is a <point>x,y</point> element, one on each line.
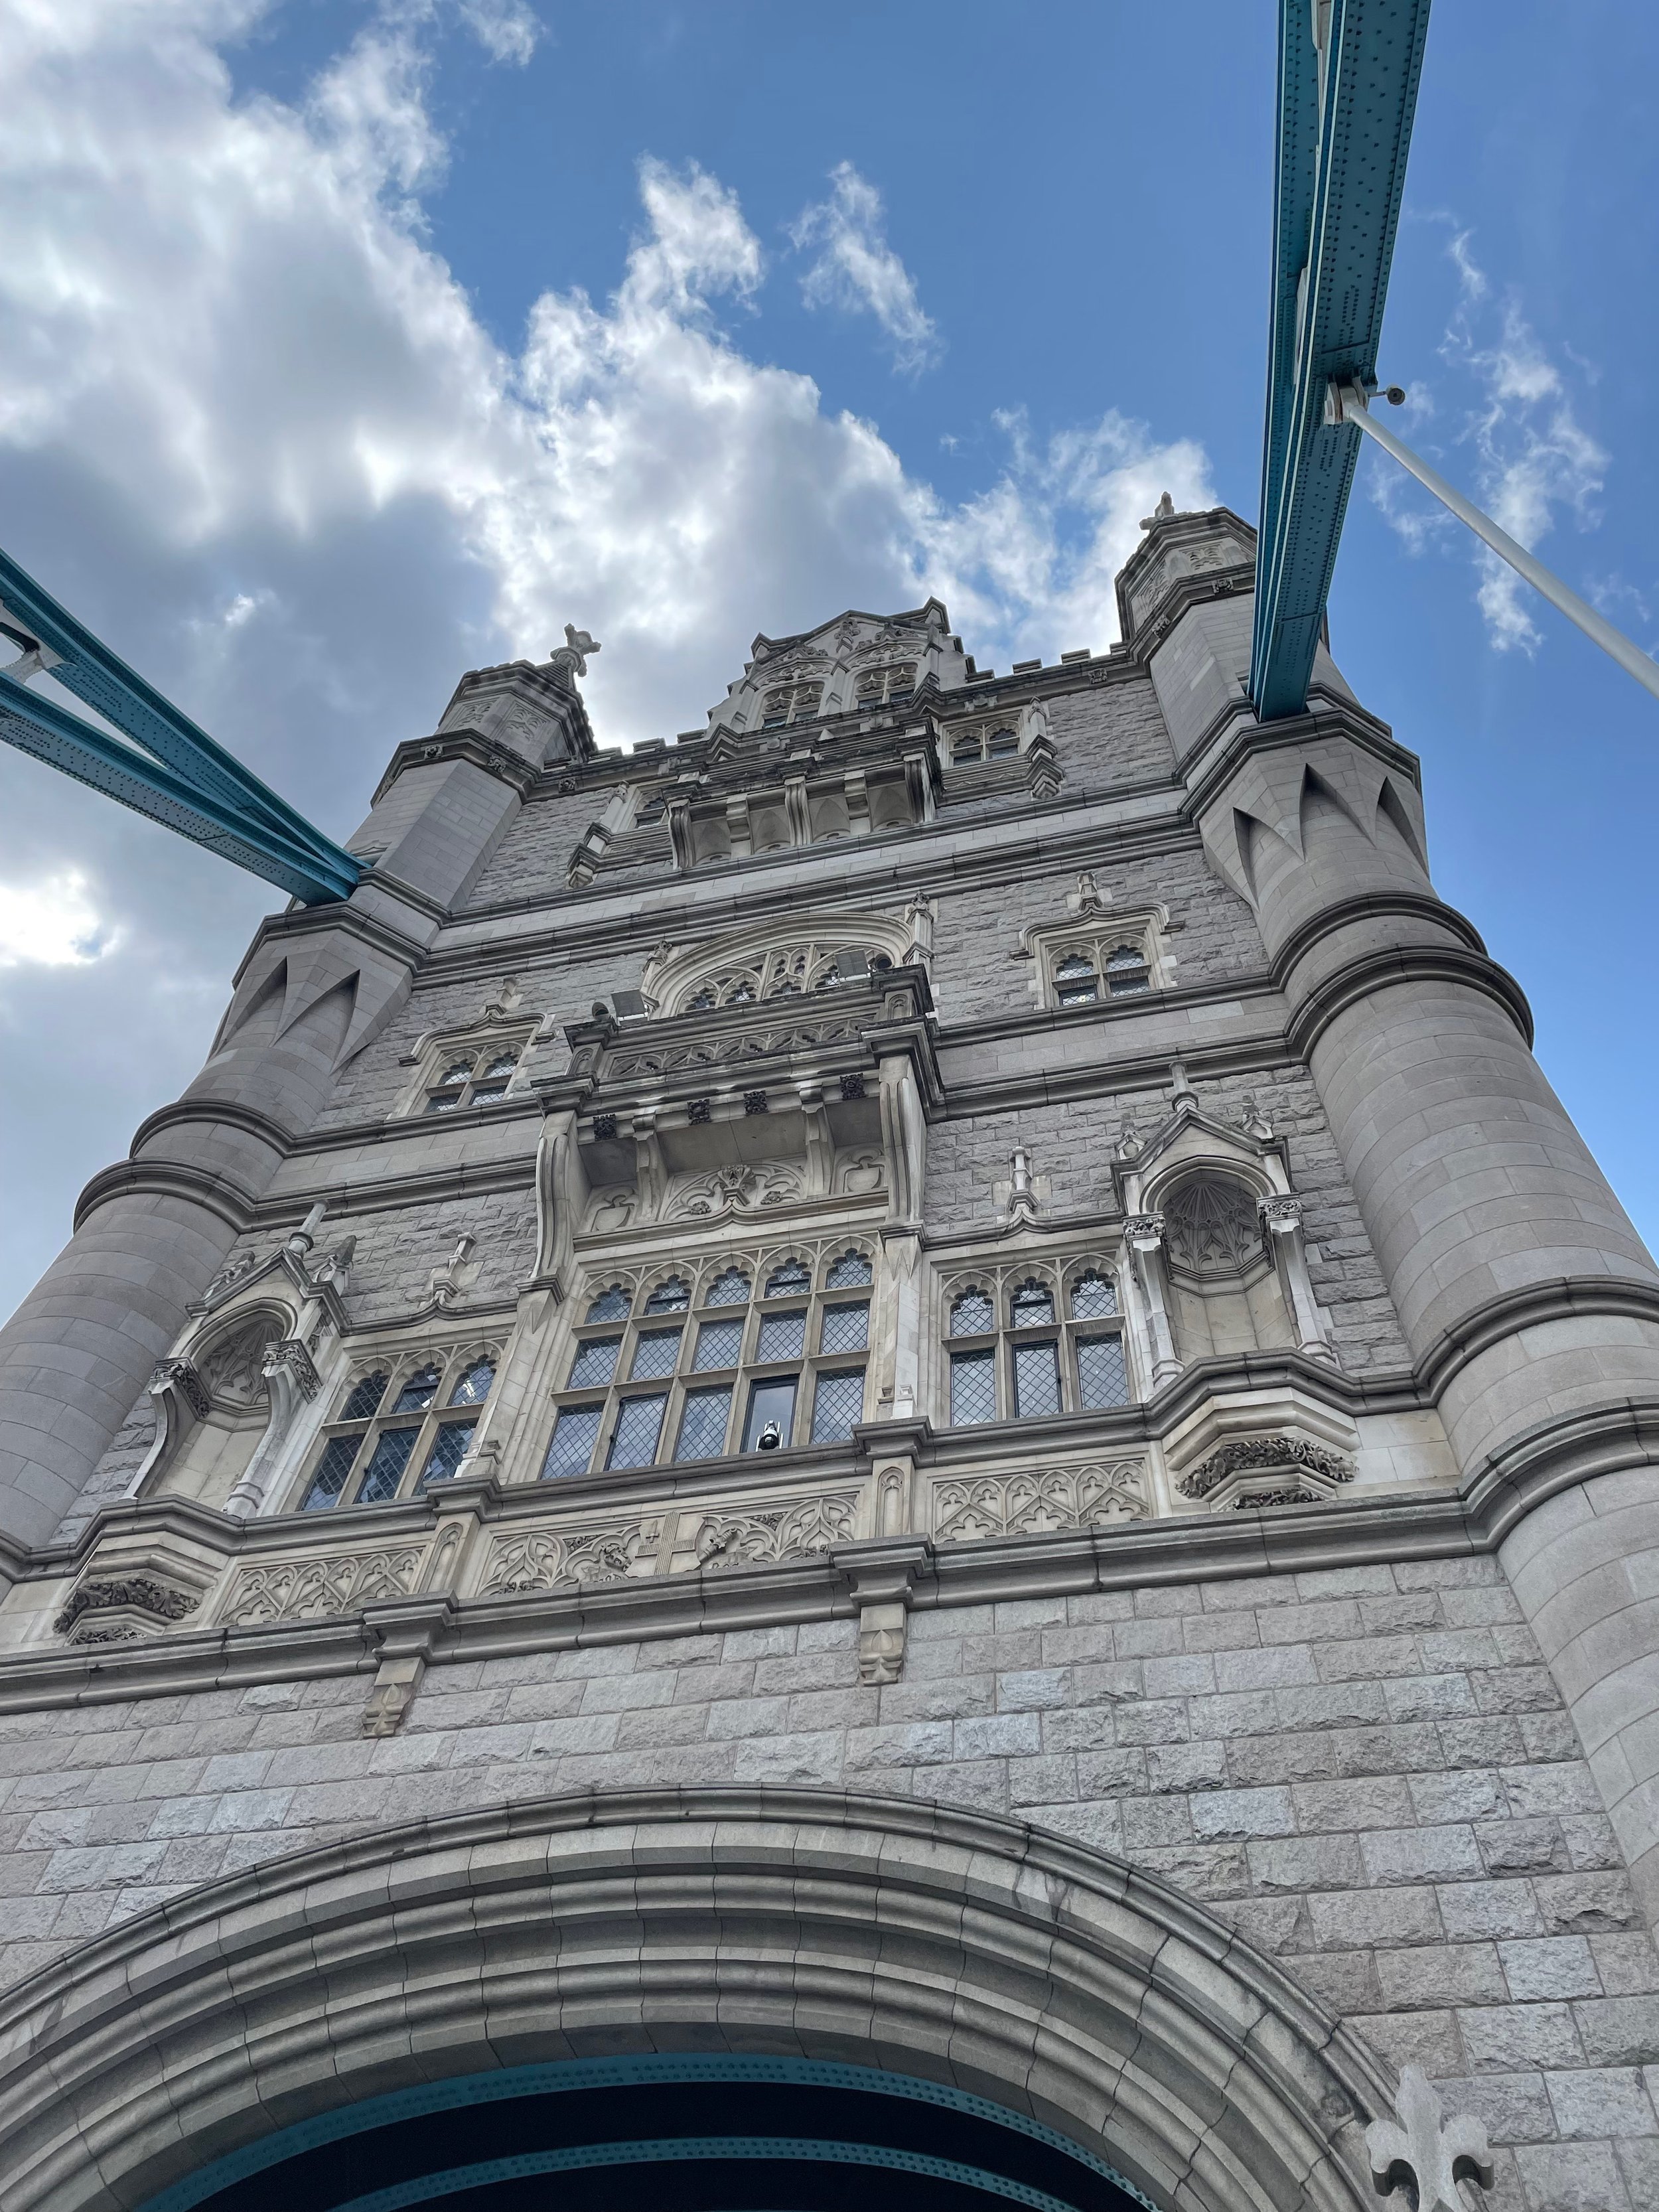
<point>857,270</point>
<point>1533,461</point>
<point>252,428</point>
<point>52,924</point>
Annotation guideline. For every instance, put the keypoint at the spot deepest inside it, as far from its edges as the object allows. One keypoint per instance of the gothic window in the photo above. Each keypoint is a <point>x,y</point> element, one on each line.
<point>887,687</point>
<point>733,1373</point>
<point>393,1439</point>
<point>1084,972</point>
<point>1022,1351</point>
<point>472,1078</point>
<point>795,967</point>
<point>612,1304</point>
<point>790,702</point>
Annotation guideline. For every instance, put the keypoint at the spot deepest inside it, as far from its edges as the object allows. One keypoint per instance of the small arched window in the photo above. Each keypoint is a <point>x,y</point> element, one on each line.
<point>848,1272</point>
<point>700,1001</point>
<point>972,1314</point>
<point>612,1305</point>
<point>1032,1305</point>
<point>730,1288</point>
<point>790,1279</point>
<point>418,1392</point>
<point>365,1398</point>
<point>1093,1296</point>
<point>964,750</point>
<point>1003,743</point>
<point>1126,971</point>
<point>472,1388</point>
<point>1075,982</point>
<point>672,1296</point>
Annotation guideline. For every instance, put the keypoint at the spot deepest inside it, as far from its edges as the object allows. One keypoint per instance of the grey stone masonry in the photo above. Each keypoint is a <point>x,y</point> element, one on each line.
<point>1368,1771</point>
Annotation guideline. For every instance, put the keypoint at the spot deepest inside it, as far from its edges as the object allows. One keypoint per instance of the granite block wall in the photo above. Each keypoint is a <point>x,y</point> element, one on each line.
<point>1367,1770</point>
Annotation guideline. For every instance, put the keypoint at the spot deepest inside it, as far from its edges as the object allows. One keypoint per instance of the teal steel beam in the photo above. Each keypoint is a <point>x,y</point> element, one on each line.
<point>1348,74</point>
<point>171,771</point>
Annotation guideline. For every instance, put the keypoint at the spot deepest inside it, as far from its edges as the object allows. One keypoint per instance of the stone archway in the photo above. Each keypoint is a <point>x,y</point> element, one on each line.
<point>820,1942</point>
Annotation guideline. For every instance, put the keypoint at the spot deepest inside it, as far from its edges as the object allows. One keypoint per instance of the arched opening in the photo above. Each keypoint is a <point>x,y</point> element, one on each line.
<point>727,1998</point>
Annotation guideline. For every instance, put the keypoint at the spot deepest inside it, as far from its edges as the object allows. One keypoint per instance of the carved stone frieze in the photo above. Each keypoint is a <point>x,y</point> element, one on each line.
<point>767,1536</point>
<point>757,1044</point>
<point>140,1603</point>
<point>1267,1471</point>
<point>316,1589</point>
<point>970,1507</point>
<point>541,1559</point>
<point>738,1189</point>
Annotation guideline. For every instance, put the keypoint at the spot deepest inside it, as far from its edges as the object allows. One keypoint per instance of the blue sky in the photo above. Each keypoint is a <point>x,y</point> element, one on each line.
<point>343,348</point>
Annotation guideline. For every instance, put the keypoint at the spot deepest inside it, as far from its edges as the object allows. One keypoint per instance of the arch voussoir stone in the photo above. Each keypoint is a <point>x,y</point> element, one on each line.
<point>1044,1977</point>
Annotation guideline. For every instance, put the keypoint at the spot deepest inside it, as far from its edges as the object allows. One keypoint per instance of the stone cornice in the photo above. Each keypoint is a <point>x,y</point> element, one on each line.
<point>1370,972</point>
<point>1237,735</point>
<point>351,921</point>
<point>1562,1297</point>
<point>1369,906</point>
<point>382,1194</point>
<point>469,745</point>
<point>220,1113</point>
<point>214,1191</point>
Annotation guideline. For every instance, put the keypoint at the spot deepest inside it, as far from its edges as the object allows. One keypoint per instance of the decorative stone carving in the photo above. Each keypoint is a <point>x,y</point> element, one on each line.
<point>569,659</point>
<point>1424,2154</point>
<point>1211,1227</point>
<point>232,1369</point>
<point>771,1534</point>
<point>396,1685</point>
<point>179,1375</point>
<point>146,1604</point>
<point>970,1507</point>
<point>881,1642</point>
<point>1267,1471</point>
<point>289,1356</point>
<point>722,1052</point>
<point>317,1589</point>
<point>234,1272</point>
<point>736,1189</point>
<point>541,1559</point>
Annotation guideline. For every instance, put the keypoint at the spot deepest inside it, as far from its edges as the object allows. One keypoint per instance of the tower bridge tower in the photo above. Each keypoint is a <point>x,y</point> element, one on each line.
<point>902,1439</point>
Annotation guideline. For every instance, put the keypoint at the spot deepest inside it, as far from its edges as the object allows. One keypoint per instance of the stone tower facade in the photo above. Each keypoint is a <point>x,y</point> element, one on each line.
<point>922,1386</point>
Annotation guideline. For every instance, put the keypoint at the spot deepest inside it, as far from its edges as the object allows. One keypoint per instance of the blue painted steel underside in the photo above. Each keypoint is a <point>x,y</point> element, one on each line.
<point>1346,105</point>
<point>171,770</point>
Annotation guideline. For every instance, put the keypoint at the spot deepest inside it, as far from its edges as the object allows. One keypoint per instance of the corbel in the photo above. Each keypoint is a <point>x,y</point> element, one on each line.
<point>820,1143</point>
<point>650,1176</point>
<point>737,831</point>
<point>406,1635</point>
<point>797,810</point>
<point>1144,1232</point>
<point>679,832</point>
<point>883,1577</point>
<point>291,1381</point>
<point>857,793</point>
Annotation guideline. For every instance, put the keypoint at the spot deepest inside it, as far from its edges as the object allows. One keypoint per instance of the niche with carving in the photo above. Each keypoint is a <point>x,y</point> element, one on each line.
<point>229,1394</point>
<point>1225,1289</point>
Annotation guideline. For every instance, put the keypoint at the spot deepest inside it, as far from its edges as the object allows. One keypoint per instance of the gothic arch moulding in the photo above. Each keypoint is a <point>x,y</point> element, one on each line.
<point>439,1983</point>
<point>786,955</point>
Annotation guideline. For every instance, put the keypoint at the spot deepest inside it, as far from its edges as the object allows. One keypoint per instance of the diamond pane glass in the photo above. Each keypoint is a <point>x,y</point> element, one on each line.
<point>638,1423</point>
<point>836,1404</point>
<point>671,1297</point>
<point>849,1272</point>
<point>365,1397</point>
<point>486,1094</point>
<point>503,1064</point>
<point>385,1466</point>
<point>846,1328</point>
<point>1093,1296</point>
<point>474,1386</point>
<point>1032,1305</point>
<point>443,1101</point>
<point>1102,1378</point>
<point>595,1362</point>
<point>417,1392</point>
<point>332,1470</point>
<point>789,1280</point>
<point>973,1386</point>
<point>655,1353</point>
<point>1003,742</point>
<point>1036,1380</point>
<point>972,1315</point>
<point>457,1072</point>
<point>782,1336</point>
<point>574,1436</point>
<point>703,1425</point>
<point>1126,971</point>
<point>730,1289</point>
<point>964,750</point>
<point>770,1402</point>
<point>454,1441</point>
<point>611,1305</point>
<point>719,1343</point>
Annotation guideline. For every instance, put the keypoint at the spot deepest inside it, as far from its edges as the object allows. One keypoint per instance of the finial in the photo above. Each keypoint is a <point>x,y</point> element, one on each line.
<point>1420,2152</point>
<point>572,655</point>
<point>1181,1089</point>
<point>1164,512</point>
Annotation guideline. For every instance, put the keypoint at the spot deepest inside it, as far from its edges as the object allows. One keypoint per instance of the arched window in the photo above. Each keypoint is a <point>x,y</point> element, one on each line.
<point>672,1296</point>
<point>793,1363</point>
<point>886,687</point>
<point>966,749</point>
<point>701,1001</point>
<point>1083,970</point>
<point>612,1305</point>
<point>1075,981</point>
<point>1003,743</point>
<point>370,1449</point>
<point>1126,971</point>
<point>1037,1362</point>
<point>478,1078</point>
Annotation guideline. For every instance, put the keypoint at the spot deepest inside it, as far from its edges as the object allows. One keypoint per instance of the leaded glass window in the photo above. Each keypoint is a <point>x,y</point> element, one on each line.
<point>770,1354</point>
<point>388,1426</point>
<point>474,1079</point>
<point>1043,1357</point>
